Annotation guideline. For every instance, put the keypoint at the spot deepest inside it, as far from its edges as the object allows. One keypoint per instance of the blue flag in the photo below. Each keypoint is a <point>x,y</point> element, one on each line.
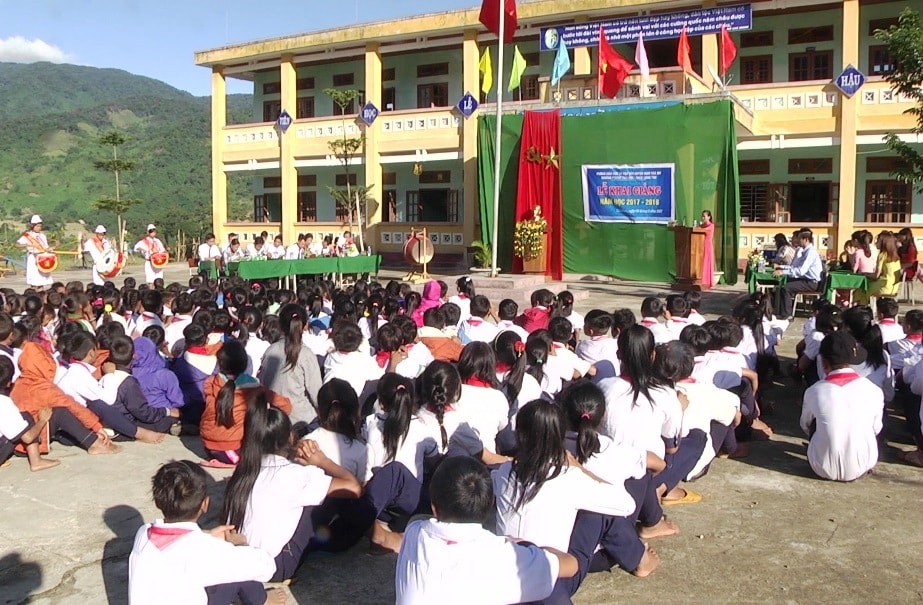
<point>561,64</point>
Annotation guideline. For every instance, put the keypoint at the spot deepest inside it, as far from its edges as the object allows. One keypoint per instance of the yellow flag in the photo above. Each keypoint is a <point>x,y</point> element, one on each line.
<point>487,72</point>
<point>519,67</point>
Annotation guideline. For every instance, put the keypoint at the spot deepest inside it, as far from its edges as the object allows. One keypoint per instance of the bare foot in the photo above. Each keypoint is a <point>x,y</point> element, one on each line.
<point>99,448</point>
<point>664,528</point>
<point>761,430</point>
<point>148,436</point>
<point>677,493</point>
<point>276,596</point>
<point>35,431</point>
<point>43,464</point>
<point>649,562</point>
<point>385,538</point>
<point>742,451</point>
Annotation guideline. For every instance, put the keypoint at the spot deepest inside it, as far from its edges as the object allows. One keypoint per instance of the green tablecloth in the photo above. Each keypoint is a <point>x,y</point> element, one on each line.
<point>360,264</point>
<point>208,266</point>
<point>314,266</point>
<point>265,269</point>
<point>844,280</point>
<point>766,277</point>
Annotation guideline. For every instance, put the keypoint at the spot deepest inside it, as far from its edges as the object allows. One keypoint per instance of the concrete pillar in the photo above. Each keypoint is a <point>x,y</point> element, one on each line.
<point>709,51</point>
<point>372,158</point>
<point>219,177</point>
<point>846,131</point>
<point>583,64</point>
<point>289,173</point>
<point>470,214</point>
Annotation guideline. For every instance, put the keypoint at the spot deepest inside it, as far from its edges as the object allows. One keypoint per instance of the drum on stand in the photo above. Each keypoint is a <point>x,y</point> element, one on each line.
<point>46,261</point>
<point>418,251</point>
<point>110,264</point>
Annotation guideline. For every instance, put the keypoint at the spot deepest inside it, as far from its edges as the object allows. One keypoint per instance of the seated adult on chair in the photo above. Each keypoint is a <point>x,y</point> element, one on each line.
<point>209,252</point>
<point>804,274</point>
<point>887,278</point>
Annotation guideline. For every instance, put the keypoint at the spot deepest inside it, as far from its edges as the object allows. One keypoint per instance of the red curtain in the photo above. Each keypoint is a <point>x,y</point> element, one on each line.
<point>540,182</point>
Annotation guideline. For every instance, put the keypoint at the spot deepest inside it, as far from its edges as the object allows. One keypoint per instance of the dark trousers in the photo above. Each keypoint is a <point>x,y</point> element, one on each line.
<point>289,558</point>
<point>911,407</point>
<point>723,437</point>
<point>249,593</point>
<point>8,445</point>
<point>227,457</point>
<point>792,287</point>
<point>748,406</point>
<point>682,462</point>
<point>65,428</point>
<point>161,426</point>
<point>113,418</point>
<point>643,491</point>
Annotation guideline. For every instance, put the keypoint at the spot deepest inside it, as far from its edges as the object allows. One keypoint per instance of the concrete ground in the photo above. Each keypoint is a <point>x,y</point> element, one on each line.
<point>766,530</point>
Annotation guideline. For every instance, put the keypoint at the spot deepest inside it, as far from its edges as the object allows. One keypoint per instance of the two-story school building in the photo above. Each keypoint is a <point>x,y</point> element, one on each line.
<point>808,155</point>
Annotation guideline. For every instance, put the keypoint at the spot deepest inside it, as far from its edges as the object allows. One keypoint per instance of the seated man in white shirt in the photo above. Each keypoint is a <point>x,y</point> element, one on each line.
<point>234,253</point>
<point>804,274</point>
<point>231,237</point>
<point>174,561</point>
<point>209,251</point>
<point>276,249</point>
<point>296,250</point>
<point>453,559</point>
<point>842,413</point>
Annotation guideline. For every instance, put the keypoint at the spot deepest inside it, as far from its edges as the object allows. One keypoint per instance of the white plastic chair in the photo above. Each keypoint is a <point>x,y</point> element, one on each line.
<point>905,291</point>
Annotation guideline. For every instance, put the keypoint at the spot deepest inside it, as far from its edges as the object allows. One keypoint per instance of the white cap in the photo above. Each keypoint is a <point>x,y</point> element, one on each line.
<point>151,227</point>
<point>99,229</point>
<point>35,220</point>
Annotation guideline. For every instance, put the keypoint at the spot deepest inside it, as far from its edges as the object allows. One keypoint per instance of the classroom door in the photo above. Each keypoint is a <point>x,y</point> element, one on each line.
<point>810,202</point>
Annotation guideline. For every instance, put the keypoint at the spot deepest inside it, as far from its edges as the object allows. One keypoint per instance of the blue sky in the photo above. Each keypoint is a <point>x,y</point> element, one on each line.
<point>157,38</point>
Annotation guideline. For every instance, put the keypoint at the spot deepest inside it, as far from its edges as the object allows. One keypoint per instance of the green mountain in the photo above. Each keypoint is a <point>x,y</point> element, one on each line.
<point>52,116</point>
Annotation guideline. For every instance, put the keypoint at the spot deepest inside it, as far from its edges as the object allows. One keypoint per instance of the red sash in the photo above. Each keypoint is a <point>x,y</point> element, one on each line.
<point>842,378</point>
<point>474,381</point>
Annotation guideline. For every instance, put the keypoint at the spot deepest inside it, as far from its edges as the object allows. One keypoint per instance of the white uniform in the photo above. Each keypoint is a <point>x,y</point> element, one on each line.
<point>675,326</point>
<point>96,249</point>
<point>706,403</point>
<point>647,423</point>
<point>847,410</point>
<point>420,443</point>
<point>35,243</point>
<point>601,351</point>
<point>350,454</point>
<point>175,562</point>
<point>274,251</point>
<point>12,424</point>
<point>209,252</point>
<point>294,252</point>
<point>891,331</point>
<point>148,246</point>
<point>487,411</point>
<point>462,563</point>
<point>660,331</point>
<point>477,329</point>
<point>356,368</point>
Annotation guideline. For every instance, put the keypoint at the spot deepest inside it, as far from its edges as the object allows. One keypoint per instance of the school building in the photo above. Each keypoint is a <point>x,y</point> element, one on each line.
<point>808,155</point>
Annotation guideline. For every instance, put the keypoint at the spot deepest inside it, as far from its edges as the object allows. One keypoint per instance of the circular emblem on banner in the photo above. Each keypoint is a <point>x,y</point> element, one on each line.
<point>551,38</point>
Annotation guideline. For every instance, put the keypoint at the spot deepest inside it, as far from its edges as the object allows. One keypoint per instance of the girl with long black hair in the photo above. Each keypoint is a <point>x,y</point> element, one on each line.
<point>276,485</point>
<point>481,403</point>
<point>290,368</point>
<point>516,384</point>
<point>465,286</point>
<point>545,496</point>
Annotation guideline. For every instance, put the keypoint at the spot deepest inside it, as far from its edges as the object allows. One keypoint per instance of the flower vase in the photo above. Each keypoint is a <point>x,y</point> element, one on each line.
<point>538,264</point>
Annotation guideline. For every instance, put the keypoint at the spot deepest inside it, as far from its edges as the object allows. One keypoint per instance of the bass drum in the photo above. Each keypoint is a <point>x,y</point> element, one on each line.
<point>159,260</point>
<point>110,264</point>
<point>46,261</point>
<point>418,250</point>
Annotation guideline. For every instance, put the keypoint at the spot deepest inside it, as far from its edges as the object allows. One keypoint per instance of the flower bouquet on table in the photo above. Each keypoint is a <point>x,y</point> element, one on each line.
<point>757,261</point>
<point>529,236</point>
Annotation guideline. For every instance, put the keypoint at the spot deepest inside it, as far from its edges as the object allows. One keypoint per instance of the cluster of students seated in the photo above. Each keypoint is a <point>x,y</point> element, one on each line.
<point>346,413</point>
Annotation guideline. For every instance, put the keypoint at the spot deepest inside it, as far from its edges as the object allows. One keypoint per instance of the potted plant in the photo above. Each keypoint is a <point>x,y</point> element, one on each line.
<point>482,256</point>
<point>529,242</point>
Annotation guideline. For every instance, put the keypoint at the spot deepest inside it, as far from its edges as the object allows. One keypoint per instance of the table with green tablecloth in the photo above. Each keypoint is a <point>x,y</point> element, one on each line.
<point>209,267</point>
<point>360,264</point>
<point>844,280</point>
<point>265,269</point>
<point>766,278</point>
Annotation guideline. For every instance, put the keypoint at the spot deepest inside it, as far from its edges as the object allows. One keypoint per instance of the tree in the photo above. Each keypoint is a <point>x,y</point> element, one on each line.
<point>905,48</point>
<point>118,204</point>
<point>345,149</point>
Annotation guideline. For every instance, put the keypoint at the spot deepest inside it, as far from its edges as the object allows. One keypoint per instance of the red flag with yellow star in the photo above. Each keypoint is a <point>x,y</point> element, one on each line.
<point>613,68</point>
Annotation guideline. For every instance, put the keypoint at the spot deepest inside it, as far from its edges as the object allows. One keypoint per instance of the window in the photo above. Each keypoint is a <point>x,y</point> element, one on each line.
<point>388,178</point>
<point>432,177</point>
<point>388,96</point>
<point>875,24</point>
<point>807,35</point>
<point>432,206</point>
<point>887,202</point>
<point>341,180</point>
<point>433,95</point>
<point>271,110</point>
<point>810,166</point>
<point>307,206</point>
<point>754,202</point>
<point>387,74</point>
<point>307,180</point>
<point>755,39</point>
<point>884,164</point>
<point>305,83</point>
<point>304,108</point>
<point>432,69</point>
<point>350,109</point>
<point>272,182</point>
<point>880,62</point>
<point>756,70</point>
<point>811,65</point>
<point>748,167</point>
<point>532,59</point>
<point>343,79</point>
<point>272,88</point>
<point>528,88</point>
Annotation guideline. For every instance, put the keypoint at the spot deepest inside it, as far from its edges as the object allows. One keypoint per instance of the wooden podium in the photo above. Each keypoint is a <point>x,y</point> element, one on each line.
<point>690,254</point>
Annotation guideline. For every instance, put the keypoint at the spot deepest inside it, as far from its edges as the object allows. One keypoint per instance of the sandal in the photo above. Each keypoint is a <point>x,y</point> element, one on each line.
<point>691,497</point>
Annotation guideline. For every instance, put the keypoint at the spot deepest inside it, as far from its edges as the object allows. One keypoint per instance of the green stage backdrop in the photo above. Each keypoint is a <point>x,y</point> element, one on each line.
<point>700,139</point>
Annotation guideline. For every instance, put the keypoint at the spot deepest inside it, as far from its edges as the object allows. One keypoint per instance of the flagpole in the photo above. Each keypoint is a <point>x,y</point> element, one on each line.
<point>493,247</point>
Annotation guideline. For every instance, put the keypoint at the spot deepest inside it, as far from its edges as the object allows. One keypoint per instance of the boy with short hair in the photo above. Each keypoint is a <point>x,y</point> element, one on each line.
<point>432,334</point>
<point>507,312</point>
<point>152,303</point>
<point>174,561</point>
<point>651,312</point>
<point>561,330</point>
<point>599,348</point>
<point>891,331</point>
<point>476,328</point>
<point>842,414</point>
<point>678,315</point>
<point>453,559</point>
<point>693,303</point>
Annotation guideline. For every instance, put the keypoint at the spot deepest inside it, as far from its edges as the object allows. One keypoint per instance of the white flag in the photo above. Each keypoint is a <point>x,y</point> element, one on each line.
<point>641,57</point>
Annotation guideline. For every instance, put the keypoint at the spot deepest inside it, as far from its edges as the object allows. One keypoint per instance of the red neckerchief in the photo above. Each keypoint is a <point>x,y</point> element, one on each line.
<point>382,358</point>
<point>148,315</point>
<point>915,337</point>
<point>842,377</point>
<point>888,321</point>
<point>432,408</point>
<point>503,368</point>
<point>599,338</point>
<point>648,322</point>
<point>463,296</point>
<point>99,244</point>
<point>689,380</point>
<point>558,346</point>
<point>197,350</point>
<point>162,537</point>
<point>474,381</point>
<point>730,350</point>
<point>679,320</point>
<point>474,321</point>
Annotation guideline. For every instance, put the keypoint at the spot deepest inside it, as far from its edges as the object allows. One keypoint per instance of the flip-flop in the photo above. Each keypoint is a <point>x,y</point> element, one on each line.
<point>691,497</point>
<point>913,457</point>
<point>6,463</point>
<point>212,463</point>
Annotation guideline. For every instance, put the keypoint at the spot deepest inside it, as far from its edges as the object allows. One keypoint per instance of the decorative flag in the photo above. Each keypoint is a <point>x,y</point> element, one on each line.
<point>519,67</point>
<point>490,17</point>
<point>613,68</point>
<point>487,72</point>
<point>641,57</point>
<point>728,50</point>
<point>683,57</point>
<point>561,63</point>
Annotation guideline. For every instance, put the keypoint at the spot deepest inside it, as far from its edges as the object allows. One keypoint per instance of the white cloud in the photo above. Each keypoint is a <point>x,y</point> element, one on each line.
<point>17,49</point>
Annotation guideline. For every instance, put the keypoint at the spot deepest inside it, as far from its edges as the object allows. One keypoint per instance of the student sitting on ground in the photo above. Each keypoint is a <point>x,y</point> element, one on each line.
<point>693,304</point>
<point>481,403</point>
<point>678,315</point>
<point>159,385</point>
<point>18,428</point>
<point>347,362</point>
<point>561,332</point>
<point>338,433</point>
<point>442,346</point>
<point>599,347</point>
<point>537,316</point>
<point>908,350</point>
<point>507,311</point>
<point>842,414</point>
<point>651,312</point>
<point>439,557</point>
<point>192,367</point>
<point>891,331</point>
<point>476,328</point>
<point>174,561</point>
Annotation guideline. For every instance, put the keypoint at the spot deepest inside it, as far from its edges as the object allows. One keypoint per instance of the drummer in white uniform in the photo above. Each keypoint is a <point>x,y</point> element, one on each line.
<point>149,246</point>
<point>35,243</point>
<point>97,246</point>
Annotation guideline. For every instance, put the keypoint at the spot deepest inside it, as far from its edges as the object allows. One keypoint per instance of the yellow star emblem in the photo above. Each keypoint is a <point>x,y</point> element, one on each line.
<point>551,159</point>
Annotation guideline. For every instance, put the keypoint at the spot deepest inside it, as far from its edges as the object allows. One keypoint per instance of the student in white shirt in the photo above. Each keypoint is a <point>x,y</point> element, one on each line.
<point>234,253</point>
<point>209,251</point>
<point>152,305</point>
<point>482,405</point>
<point>561,331</point>
<point>827,320</point>
<point>182,316</point>
<point>257,249</point>
<point>904,352</point>
<point>842,414</point>
<point>251,320</point>
<point>545,496</point>
<point>418,355</point>
<point>452,559</point>
<point>6,338</point>
<point>678,315</point>
<point>276,249</point>
<point>693,304</point>
<point>599,347</point>
<point>338,433</point>
<point>476,328</point>
<point>347,361</point>
<point>891,330</point>
<point>174,561</point>
<point>517,385</point>
<point>466,292</point>
<point>271,497</point>
<point>507,312</point>
<point>296,250</point>
<point>543,365</point>
<point>312,247</point>
<point>566,310</point>
<point>651,312</point>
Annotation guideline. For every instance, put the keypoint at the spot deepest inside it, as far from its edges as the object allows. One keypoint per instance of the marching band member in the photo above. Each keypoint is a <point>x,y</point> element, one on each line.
<point>149,246</point>
<point>35,243</point>
<point>97,246</point>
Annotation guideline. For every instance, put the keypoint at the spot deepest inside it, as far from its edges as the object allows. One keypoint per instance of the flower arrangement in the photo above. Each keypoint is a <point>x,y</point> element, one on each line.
<point>755,258</point>
<point>529,236</point>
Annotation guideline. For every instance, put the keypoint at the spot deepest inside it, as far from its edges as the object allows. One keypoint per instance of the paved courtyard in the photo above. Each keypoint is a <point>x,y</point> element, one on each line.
<point>766,530</point>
